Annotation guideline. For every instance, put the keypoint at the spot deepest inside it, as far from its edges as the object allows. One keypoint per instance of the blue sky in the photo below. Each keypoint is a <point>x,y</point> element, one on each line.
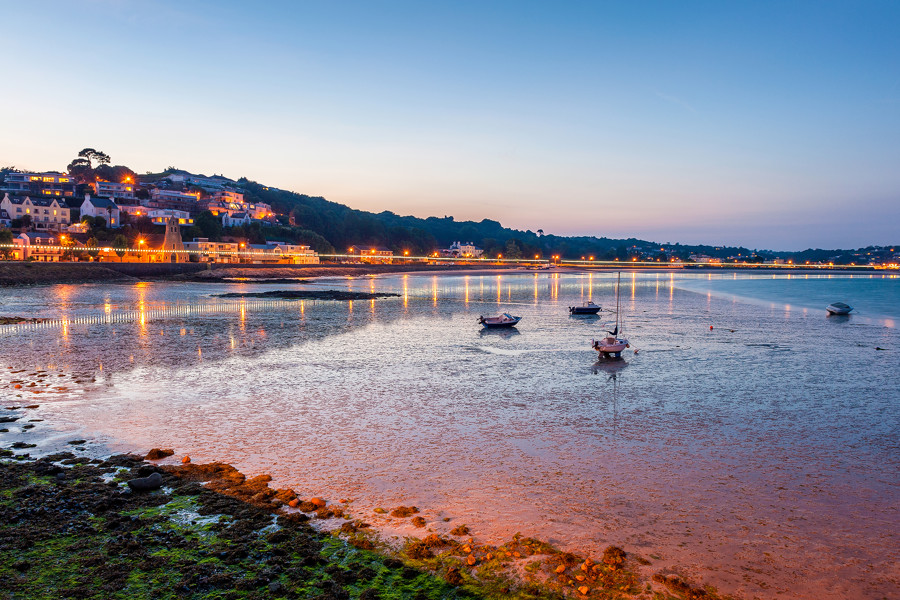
<point>767,124</point>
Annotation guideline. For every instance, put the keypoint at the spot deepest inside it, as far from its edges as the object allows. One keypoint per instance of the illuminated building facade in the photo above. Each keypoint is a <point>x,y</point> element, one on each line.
<point>463,250</point>
<point>39,185</point>
<point>173,200</point>
<point>108,189</point>
<point>45,213</point>
<point>37,246</point>
<point>159,216</point>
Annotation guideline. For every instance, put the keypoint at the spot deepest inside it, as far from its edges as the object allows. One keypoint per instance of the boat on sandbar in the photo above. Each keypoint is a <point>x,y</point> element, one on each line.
<point>838,308</point>
<point>504,320</point>
<point>612,345</point>
<point>588,308</point>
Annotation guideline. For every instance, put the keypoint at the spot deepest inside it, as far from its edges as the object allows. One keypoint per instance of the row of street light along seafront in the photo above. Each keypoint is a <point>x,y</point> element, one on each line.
<point>555,260</point>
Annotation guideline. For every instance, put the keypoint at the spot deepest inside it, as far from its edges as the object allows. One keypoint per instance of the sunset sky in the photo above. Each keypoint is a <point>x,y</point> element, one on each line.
<point>766,124</point>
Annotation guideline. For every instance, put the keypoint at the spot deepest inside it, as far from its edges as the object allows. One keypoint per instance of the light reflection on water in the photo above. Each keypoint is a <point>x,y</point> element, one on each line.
<point>774,432</point>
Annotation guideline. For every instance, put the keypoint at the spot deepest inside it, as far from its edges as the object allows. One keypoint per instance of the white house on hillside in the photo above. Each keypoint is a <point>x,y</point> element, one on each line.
<point>101,207</point>
<point>235,220</point>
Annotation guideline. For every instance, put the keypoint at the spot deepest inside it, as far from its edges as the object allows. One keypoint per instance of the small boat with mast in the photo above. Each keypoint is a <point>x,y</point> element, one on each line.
<point>612,345</point>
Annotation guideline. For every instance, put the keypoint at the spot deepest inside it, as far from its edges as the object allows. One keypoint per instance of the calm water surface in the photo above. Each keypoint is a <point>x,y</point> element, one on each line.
<point>761,455</point>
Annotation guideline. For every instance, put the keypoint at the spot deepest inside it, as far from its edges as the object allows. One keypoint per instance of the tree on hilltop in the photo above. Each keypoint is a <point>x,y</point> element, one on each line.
<point>82,167</point>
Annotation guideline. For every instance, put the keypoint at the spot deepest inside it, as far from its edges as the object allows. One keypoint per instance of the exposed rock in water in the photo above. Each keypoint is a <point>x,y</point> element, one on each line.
<point>158,453</point>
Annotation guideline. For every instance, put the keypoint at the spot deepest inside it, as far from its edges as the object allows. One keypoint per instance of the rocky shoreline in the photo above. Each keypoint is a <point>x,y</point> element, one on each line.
<point>126,526</point>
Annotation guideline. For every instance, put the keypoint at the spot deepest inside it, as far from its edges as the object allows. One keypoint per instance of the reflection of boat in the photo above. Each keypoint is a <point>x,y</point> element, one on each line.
<point>612,345</point>
<point>608,365</point>
<point>500,332</point>
<point>504,320</point>
<point>588,308</point>
<point>838,308</point>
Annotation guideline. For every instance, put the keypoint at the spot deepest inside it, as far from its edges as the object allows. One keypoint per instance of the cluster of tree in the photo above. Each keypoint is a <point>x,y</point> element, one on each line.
<point>343,227</point>
<point>93,165</point>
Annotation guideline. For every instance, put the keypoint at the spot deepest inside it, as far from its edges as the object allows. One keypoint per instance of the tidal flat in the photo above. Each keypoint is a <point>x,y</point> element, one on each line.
<point>736,449</point>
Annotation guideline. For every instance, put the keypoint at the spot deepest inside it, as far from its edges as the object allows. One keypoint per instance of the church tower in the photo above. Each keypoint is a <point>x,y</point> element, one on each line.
<point>172,246</point>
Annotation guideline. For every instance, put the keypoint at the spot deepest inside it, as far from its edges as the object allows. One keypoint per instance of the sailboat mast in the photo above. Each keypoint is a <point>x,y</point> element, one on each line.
<point>618,283</point>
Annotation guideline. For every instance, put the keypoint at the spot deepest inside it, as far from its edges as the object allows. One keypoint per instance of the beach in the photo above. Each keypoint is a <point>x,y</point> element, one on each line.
<point>691,456</point>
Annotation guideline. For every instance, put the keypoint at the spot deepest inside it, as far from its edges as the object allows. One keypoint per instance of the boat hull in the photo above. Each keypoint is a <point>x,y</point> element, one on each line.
<point>583,310</point>
<point>500,325</point>
<point>499,322</point>
<point>608,348</point>
<point>838,309</point>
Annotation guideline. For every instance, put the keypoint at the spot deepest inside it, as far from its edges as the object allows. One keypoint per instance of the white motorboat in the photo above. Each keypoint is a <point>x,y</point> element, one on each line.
<point>838,308</point>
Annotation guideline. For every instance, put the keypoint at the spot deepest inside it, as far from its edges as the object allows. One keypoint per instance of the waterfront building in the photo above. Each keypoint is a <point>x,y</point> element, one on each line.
<point>101,207</point>
<point>37,246</point>
<point>463,250</point>
<point>372,254</point>
<point>297,254</point>
<point>215,252</point>
<point>39,185</point>
<point>45,213</point>
<point>108,189</point>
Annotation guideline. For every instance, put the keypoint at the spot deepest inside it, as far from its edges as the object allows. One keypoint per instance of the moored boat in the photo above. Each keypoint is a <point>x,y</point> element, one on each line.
<point>612,345</point>
<point>504,320</point>
<point>838,308</point>
<point>588,308</point>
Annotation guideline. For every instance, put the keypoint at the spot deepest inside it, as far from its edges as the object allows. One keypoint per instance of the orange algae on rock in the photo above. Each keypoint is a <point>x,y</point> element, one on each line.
<point>404,511</point>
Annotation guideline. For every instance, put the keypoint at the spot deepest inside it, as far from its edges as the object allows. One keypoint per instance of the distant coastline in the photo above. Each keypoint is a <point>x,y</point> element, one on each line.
<point>14,273</point>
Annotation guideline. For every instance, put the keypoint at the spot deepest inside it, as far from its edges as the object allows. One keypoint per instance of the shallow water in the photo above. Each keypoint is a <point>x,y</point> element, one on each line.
<point>760,455</point>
